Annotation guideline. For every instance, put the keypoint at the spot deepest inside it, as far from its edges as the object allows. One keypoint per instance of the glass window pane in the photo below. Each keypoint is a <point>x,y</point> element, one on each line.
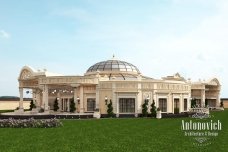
<point>122,66</point>
<point>115,66</point>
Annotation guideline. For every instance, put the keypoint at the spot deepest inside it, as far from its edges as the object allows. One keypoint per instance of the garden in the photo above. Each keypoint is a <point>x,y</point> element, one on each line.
<point>111,134</point>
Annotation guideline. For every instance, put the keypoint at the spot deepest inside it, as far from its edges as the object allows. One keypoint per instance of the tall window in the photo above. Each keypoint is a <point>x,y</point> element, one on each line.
<point>91,104</point>
<point>127,105</point>
<point>163,104</point>
<point>185,104</point>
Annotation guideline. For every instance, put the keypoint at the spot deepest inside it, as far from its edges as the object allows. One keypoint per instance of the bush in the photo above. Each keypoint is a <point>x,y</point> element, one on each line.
<point>176,110</point>
<point>221,104</point>
<point>110,109</point>
<point>145,108</point>
<point>72,105</point>
<point>193,103</point>
<point>30,123</point>
<point>41,110</point>
<point>32,105</point>
<point>153,109</point>
<point>56,106</point>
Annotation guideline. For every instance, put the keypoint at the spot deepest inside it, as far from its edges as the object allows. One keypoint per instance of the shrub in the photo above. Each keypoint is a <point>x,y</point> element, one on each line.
<point>32,105</point>
<point>56,106</point>
<point>110,109</point>
<point>153,109</point>
<point>41,110</point>
<point>176,110</point>
<point>193,103</point>
<point>145,108</point>
<point>206,102</point>
<point>30,123</point>
<point>72,105</point>
<point>221,104</point>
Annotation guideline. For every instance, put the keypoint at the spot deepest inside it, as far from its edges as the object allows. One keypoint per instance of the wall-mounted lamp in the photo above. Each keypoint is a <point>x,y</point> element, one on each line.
<point>148,98</point>
<point>106,100</point>
<point>78,99</point>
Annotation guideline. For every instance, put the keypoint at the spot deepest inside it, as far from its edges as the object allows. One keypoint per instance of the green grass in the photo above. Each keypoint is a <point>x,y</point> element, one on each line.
<point>117,135</point>
<point>5,111</point>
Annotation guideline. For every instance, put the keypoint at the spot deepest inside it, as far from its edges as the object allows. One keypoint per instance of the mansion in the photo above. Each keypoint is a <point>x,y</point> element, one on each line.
<point>118,82</point>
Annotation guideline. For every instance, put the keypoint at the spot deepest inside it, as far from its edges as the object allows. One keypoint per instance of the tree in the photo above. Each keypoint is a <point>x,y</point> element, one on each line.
<point>32,105</point>
<point>110,109</point>
<point>206,102</point>
<point>145,108</point>
<point>153,109</point>
<point>56,106</point>
<point>72,105</point>
<point>221,104</point>
<point>193,103</point>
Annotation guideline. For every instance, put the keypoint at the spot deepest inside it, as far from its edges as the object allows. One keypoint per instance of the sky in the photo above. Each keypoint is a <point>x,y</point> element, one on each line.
<point>160,37</point>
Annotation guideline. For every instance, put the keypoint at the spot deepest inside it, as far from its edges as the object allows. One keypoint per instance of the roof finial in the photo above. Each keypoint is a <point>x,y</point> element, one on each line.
<point>113,57</point>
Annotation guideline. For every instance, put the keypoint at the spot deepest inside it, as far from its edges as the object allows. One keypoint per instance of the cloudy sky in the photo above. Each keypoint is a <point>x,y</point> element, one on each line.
<point>160,37</point>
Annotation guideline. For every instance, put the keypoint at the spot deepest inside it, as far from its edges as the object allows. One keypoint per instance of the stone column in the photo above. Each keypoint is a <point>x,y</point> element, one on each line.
<point>203,98</point>
<point>170,106</point>
<point>21,108</point>
<point>136,105</point>
<point>139,100</point>
<point>97,97</point>
<point>218,100</point>
<point>37,99</point>
<point>75,98</point>
<point>68,104</point>
<point>181,108</point>
<point>45,98</point>
<point>114,99</point>
<point>81,99</point>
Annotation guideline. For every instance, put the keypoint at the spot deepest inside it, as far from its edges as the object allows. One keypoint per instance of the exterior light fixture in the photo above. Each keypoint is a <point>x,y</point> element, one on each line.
<point>58,98</point>
<point>106,100</point>
<point>148,98</point>
<point>78,99</point>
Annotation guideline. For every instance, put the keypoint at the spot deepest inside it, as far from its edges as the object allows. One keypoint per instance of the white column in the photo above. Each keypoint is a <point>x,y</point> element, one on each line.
<point>203,98</point>
<point>59,101</point>
<point>37,98</point>
<point>136,105</point>
<point>21,108</point>
<point>81,99</point>
<point>170,107</point>
<point>68,104</point>
<point>218,100</point>
<point>97,97</point>
<point>75,98</point>
<point>139,99</point>
<point>114,99</point>
<point>181,108</point>
<point>45,97</point>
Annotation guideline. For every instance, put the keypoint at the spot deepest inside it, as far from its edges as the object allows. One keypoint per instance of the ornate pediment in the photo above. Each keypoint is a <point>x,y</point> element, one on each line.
<point>25,74</point>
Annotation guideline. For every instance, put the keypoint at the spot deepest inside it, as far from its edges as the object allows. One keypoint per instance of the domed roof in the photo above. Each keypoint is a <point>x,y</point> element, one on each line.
<point>115,66</point>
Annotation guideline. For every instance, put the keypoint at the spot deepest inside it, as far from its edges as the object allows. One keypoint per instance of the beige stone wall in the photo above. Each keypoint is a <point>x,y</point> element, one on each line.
<point>225,103</point>
<point>12,105</point>
<point>103,106</point>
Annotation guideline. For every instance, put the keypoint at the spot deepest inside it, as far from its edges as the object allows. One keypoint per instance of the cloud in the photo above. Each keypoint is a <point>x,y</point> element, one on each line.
<point>4,34</point>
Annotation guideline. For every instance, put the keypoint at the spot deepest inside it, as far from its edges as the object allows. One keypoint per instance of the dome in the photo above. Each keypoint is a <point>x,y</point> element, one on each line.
<point>114,66</point>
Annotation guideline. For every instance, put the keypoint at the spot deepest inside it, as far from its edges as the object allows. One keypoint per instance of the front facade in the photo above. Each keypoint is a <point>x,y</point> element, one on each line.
<point>116,81</point>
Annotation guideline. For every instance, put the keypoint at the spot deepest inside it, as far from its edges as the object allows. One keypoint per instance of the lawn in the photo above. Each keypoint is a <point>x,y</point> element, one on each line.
<point>131,134</point>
